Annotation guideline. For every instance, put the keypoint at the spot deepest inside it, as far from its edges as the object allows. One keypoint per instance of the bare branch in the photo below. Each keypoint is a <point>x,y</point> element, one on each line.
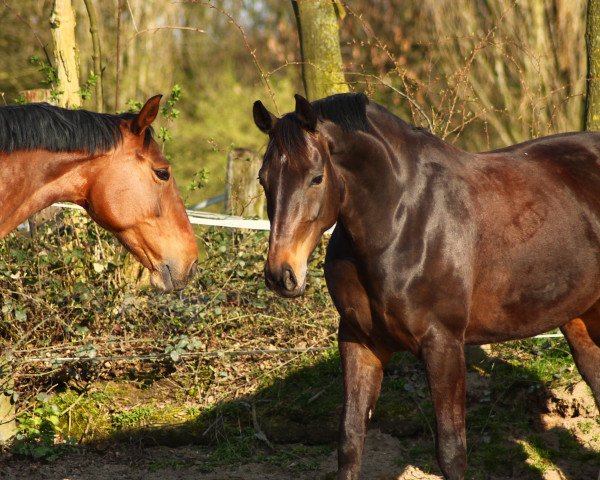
<point>251,51</point>
<point>165,27</point>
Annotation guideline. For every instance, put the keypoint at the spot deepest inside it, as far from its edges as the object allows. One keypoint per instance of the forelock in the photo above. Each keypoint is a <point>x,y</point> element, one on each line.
<point>289,138</point>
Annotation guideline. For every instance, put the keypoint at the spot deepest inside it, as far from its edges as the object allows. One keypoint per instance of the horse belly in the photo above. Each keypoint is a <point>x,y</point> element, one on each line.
<point>534,292</point>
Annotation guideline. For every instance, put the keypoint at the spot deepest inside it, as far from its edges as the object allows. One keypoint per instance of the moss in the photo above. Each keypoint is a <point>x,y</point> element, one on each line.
<point>323,72</point>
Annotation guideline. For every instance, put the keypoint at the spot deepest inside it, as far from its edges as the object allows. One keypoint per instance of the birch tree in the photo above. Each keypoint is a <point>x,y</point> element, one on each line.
<point>62,23</point>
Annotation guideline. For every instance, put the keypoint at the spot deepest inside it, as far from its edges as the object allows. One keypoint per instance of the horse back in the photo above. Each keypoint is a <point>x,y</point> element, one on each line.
<point>565,164</point>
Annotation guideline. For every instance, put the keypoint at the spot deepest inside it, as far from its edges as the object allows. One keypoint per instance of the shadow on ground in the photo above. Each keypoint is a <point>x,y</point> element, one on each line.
<point>518,427</point>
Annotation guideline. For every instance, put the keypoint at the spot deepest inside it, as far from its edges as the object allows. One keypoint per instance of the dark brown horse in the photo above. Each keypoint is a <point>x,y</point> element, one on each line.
<point>434,248</point>
<point>108,164</point>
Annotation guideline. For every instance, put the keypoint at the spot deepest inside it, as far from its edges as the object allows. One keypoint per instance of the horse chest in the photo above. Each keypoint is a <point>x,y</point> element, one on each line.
<point>394,306</point>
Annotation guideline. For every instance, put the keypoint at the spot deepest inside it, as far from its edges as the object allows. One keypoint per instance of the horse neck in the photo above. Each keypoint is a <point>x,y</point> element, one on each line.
<point>384,172</point>
<point>33,180</point>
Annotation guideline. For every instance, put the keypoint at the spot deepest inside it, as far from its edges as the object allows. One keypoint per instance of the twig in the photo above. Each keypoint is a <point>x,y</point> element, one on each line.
<point>369,31</point>
<point>132,16</point>
<point>258,433</point>
<point>165,27</point>
<point>86,429</point>
<point>39,40</point>
<point>402,94</point>
<point>263,75</point>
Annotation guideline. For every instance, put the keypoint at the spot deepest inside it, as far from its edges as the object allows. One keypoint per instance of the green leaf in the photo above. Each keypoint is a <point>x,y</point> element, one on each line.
<point>20,315</point>
<point>98,267</point>
<point>42,397</point>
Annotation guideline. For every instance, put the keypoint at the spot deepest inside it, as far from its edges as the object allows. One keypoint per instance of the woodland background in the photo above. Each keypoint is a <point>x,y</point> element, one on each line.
<point>485,73</point>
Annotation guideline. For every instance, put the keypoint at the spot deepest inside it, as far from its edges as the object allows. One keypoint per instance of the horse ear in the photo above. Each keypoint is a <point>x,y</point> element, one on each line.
<point>265,120</point>
<point>146,116</point>
<point>306,113</point>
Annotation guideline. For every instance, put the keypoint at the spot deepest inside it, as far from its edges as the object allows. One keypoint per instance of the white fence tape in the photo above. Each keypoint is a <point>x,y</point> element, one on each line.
<point>226,221</point>
<point>211,201</point>
<point>212,219</point>
<point>207,218</point>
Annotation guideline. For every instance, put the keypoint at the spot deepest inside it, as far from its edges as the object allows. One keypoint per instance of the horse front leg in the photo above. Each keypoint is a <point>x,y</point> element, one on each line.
<point>443,356</point>
<point>363,371</point>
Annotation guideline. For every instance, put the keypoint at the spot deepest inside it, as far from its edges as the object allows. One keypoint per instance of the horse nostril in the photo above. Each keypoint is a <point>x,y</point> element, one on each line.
<point>268,275</point>
<point>289,279</point>
<point>193,270</point>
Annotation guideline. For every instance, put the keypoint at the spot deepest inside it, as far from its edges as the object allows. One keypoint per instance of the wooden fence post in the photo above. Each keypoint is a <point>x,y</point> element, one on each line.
<point>36,95</point>
<point>8,412</point>
<point>244,196</point>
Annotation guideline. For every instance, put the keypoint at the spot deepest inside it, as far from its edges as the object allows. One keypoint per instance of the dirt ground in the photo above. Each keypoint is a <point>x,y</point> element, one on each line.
<point>184,463</point>
<point>557,419</point>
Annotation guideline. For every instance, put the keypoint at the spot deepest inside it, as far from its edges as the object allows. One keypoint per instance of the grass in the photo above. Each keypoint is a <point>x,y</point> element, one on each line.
<point>166,464</point>
<point>297,411</point>
<point>298,414</point>
<point>537,455</point>
<point>136,417</point>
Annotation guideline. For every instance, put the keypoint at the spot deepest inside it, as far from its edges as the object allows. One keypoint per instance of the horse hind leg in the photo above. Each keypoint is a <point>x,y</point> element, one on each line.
<point>583,335</point>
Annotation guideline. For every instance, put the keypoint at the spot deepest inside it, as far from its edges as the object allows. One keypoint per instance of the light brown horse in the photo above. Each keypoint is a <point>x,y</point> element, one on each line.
<point>108,164</point>
<point>434,247</point>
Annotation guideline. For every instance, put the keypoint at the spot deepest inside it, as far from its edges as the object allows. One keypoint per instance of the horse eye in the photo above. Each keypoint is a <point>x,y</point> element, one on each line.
<point>162,174</point>
<point>317,180</point>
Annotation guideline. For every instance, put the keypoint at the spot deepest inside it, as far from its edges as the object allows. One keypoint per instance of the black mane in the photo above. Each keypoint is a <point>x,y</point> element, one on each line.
<point>348,110</point>
<point>40,126</point>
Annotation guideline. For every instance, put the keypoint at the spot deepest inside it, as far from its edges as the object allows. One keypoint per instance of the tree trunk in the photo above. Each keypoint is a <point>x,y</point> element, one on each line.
<point>319,32</point>
<point>96,53</point>
<point>592,37</point>
<point>243,194</point>
<point>62,23</point>
<point>118,56</point>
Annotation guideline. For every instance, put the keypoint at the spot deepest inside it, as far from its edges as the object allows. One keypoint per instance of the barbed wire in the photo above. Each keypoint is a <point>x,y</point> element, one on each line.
<point>164,356</point>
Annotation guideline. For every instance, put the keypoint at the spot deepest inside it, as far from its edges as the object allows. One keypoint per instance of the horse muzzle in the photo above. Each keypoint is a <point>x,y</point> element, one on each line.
<point>284,282</point>
<point>168,278</point>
